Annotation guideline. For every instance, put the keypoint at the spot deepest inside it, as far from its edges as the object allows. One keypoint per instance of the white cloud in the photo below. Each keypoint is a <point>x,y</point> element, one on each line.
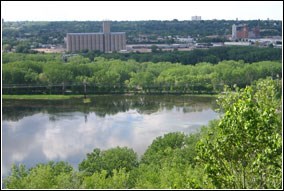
<point>69,137</point>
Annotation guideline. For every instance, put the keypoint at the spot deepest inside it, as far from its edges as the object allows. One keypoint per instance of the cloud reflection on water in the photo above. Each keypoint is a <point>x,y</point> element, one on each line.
<point>69,136</point>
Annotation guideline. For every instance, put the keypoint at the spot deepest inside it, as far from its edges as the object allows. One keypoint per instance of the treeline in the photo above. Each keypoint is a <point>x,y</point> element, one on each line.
<point>213,55</point>
<point>243,150</point>
<point>109,76</point>
<point>33,33</point>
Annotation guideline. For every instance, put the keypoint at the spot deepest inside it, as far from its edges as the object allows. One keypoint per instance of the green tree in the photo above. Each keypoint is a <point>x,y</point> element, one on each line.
<point>244,150</point>
<point>57,73</point>
<point>42,176</point>
<point>15,179</point>
<point>162,147</point>
<point>7,47</point>
<point>100,180</point>
<point>154,49</point>
<point>115,158</point>
<point>23,47</point>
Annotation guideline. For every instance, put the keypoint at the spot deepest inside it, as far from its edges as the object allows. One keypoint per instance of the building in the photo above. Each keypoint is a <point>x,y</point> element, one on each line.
<point>239,32</point>
<point>237,43</point>
<point>255,33</point>
<point>242,32</point>
<point>196,18</point>
<point>105,41</point>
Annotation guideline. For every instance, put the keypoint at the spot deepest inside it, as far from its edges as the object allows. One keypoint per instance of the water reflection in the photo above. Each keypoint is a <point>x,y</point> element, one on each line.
<point>36,132</point>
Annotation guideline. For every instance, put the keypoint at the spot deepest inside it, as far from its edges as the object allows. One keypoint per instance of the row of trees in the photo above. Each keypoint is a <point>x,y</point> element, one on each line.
<point>241,150</point>
<point>213,55</point>
<point>108,75</point>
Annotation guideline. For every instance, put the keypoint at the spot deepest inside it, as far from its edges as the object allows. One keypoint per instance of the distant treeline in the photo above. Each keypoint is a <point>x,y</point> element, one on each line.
<point>111,75</point>
<point>212,55</point>
<point>21,34</point>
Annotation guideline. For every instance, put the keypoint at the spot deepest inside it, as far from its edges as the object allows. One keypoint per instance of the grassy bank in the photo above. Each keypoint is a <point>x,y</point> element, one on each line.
<point>64,97</point>
<point>41,97</point>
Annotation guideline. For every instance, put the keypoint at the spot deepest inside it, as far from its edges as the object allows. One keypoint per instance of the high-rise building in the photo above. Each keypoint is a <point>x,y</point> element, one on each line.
<point>105,41</point>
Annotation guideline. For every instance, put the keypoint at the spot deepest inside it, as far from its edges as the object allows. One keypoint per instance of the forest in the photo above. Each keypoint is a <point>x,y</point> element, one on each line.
<point>241,150</point>
<point>52,74</point>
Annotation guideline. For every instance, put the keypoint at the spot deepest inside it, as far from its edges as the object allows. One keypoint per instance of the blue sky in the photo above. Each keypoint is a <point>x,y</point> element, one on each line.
<point>139,10</point>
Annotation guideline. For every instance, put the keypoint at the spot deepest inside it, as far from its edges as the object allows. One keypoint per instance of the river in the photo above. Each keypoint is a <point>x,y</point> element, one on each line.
<point>38,131</point>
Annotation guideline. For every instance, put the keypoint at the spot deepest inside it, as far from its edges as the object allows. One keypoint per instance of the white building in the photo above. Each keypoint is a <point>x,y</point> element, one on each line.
<point>237,43</point>
<point>196,18</point>
<point>234,32</point>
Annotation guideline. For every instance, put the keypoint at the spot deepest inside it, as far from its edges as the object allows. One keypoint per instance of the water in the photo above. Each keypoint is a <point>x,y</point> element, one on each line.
<point>39,131</point>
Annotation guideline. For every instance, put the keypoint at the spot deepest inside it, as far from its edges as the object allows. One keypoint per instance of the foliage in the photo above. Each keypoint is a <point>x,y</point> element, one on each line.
<point>50,175</point>
<point>15,180</point>
<point>109,160</point>
<point>162,147</point>
<point>169,163</point>
<point>213,55</point>
<point>246,149</point>
<point>49,74</point>
<point>170,175</point>
<point>100,180</point>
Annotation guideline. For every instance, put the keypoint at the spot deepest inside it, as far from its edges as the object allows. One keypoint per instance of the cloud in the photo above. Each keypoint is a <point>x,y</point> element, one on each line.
<point>37,139</point>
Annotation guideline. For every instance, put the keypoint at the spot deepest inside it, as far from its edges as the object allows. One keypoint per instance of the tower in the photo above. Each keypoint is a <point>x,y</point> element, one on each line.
<point>106,26</point>
<point>107,36</point>
<point>234,32</point>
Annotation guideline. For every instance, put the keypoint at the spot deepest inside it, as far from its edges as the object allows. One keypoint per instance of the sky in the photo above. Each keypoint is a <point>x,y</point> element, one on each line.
<point>139,10</point>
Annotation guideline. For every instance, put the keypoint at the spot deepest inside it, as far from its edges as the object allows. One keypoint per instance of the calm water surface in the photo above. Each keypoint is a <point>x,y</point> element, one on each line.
<point>39,131</point>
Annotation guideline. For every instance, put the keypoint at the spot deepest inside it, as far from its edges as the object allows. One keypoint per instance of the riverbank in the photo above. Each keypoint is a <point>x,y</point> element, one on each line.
<point>41,97</point>
<point>65,97</point>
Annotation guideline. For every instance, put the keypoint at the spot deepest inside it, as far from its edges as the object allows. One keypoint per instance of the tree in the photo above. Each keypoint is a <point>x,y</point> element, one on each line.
<point>161,147</point>
<point>14,181</point>
<point>154,49</point>
<point>245,149</point>
<point>42,176</point>
<point>7,47</point>
<point>23,47</point>
<point>57,73</point>
<point>169,163</point>
<point>100,180</point>
<point>109,160</point>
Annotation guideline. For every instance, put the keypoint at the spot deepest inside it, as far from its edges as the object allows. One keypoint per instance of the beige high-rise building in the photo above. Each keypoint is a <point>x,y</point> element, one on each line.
<point>105,41</point>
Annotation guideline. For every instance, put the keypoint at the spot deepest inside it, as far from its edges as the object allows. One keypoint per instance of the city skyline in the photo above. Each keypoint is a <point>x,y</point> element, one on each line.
<point>135,11</point>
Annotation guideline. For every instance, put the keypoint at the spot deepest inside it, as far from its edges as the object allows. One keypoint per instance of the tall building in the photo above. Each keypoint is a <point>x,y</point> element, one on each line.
<point>196,18</point>
<point>239,32</point>
<point>105,41</point>
<point>234,32</point>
